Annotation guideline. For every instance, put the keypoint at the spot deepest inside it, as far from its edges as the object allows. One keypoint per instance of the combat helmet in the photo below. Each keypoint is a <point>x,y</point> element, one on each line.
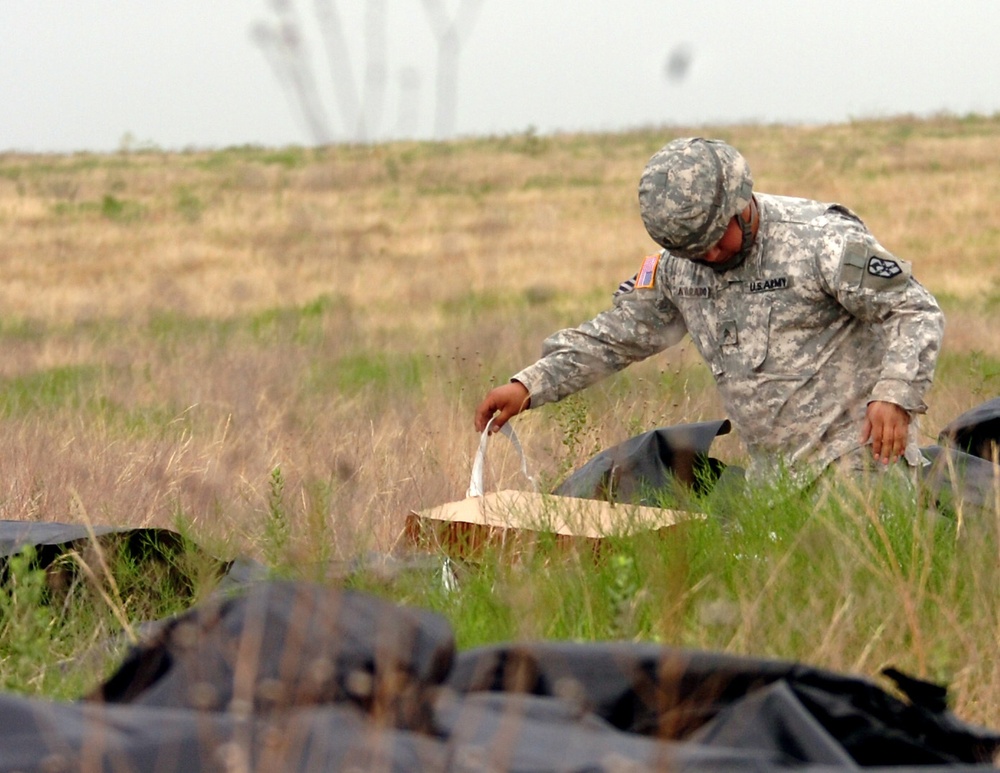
<point>690,190</point>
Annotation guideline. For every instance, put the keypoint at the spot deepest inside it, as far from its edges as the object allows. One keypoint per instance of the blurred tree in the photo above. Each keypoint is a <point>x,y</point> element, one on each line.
<point>361,109</point>
<point>449,34</point>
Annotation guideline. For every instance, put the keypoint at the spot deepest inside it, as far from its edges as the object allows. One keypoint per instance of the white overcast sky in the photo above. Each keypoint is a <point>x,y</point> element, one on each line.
<point>84,74</point>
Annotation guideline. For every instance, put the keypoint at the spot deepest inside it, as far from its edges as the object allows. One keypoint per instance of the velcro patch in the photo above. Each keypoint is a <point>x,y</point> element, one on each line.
<point>646,277</point>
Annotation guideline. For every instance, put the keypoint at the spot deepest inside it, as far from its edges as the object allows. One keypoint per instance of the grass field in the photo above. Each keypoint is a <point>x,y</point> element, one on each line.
<point>279,350</point>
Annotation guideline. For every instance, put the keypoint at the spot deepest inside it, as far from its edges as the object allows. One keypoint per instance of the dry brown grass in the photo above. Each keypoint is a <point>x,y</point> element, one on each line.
<point>176,327</point>
<point>398,238</point>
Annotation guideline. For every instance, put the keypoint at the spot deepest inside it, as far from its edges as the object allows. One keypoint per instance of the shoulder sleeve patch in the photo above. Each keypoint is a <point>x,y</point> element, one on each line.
<point>646,278</point>
<point>868,265</point>
<point>883,267</point>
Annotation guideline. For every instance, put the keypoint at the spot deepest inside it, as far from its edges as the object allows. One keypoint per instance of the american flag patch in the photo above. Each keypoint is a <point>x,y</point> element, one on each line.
<point>646,277</point>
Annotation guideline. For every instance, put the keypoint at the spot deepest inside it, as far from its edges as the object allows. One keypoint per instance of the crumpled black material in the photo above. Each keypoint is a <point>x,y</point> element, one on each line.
<point>660,463</point>
<point>962,472</point>
<point>976,431</point>
<point>639,469</point>
<point>139,547</point>
<point>302,677</point>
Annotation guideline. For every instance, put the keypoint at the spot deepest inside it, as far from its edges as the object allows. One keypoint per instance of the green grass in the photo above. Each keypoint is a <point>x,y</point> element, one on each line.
<point>78,390</point>
<point>776,573</point>
<point>842,568</point>
<point>301,432</point>
<point>68,386</point>
<point>371,372</point>
<point>67,623</point>
<point>976,368</point>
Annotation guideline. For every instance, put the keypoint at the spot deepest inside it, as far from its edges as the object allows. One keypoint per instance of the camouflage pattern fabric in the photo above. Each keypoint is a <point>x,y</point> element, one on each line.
<point>818,321</point>
<point>689,191</point>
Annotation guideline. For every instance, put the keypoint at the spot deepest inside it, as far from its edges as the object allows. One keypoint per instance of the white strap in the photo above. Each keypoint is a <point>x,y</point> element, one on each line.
<point>476,482</point>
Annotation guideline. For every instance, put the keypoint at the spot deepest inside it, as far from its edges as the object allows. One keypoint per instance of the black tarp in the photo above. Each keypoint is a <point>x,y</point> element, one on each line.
<point>963,471</point>
<point>957,479</point>
<point>140,549</point>
<point>976,432</point>
<point>665,463</point>
<point>51,540</point>
<point>301,677</point>
<point>641,469</point>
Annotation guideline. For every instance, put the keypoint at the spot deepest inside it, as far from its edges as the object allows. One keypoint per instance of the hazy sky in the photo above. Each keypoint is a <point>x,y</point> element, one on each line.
<point>83,74</point>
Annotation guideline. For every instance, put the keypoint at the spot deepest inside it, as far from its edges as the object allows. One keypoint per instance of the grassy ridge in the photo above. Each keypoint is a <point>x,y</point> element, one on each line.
<point>280,351</point>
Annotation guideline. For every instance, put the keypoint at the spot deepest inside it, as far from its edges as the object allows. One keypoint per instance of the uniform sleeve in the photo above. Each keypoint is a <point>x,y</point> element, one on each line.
<point>640,324</point>
<point>878,288</point>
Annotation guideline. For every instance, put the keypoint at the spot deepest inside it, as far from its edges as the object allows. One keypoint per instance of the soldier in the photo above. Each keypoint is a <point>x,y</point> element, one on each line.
<point>820,341</point>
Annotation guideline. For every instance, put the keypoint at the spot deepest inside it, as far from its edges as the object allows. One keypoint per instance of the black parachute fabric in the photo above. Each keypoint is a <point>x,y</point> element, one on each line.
<point>955,478</point>
<point>51,540</point>
<point>642,468</point>
<point>976,432</point>
<point>148,550</point>
<point>300,677</point>
<point>798,714</point>
<point>637,469</point>
<point>962,472</point>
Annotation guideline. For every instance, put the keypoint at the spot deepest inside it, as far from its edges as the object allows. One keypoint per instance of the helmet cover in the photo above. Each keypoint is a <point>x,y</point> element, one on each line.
<point>689,191</point>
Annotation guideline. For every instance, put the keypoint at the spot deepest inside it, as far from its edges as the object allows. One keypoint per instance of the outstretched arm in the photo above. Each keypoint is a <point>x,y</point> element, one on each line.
<point>639,324</point>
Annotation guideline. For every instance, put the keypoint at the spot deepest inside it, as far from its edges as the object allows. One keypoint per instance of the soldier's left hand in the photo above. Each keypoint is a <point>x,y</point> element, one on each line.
<point>886,425</point>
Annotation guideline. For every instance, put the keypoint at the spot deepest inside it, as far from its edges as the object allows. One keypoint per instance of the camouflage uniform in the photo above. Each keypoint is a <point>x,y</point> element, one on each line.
<point>817,321</point>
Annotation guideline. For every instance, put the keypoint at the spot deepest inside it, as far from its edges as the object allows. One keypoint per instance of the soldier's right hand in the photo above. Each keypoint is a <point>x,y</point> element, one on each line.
<point>501,404</point>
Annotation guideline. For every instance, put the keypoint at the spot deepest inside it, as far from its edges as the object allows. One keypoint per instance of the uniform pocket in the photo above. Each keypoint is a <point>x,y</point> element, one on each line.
<point>744,338</point>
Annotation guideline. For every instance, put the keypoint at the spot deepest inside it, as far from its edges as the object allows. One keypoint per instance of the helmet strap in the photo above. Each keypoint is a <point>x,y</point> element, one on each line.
<point>746,228</point>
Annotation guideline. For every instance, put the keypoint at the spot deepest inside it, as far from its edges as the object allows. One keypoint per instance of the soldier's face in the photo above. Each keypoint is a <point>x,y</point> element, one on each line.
<point>727,247</point>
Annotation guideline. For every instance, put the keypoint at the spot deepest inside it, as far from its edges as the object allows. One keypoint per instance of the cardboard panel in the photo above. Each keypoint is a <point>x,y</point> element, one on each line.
<point>512,517</point>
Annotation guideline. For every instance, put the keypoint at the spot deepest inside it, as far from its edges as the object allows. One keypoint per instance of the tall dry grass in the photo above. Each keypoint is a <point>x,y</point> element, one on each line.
<point>177,327</point>
<point>464,254</point>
